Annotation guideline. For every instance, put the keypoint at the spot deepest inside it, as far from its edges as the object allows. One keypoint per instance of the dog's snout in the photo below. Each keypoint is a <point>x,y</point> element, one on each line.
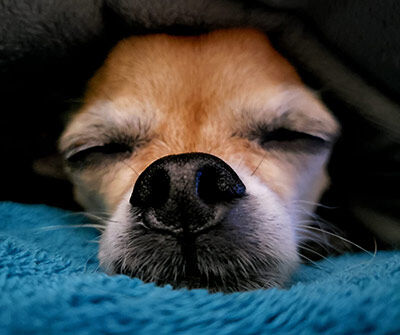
<point>183,193</point>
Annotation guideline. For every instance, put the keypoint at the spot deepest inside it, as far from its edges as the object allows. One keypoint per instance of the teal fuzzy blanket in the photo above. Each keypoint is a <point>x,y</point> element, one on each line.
<point>50,284</point>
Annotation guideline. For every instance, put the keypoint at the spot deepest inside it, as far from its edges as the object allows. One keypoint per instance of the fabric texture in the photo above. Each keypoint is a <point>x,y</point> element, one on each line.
<point>50,284</point>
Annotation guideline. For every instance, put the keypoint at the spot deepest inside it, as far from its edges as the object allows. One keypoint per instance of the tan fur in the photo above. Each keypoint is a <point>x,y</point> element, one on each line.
<point>200,94</point>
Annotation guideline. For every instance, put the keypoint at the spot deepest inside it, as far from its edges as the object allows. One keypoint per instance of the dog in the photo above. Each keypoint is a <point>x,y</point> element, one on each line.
<point>207,155</point>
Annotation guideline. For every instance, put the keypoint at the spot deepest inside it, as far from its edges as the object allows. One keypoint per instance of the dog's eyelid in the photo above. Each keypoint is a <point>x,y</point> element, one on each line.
<point>311,127</point>
<point>78,143</point>
<point>291,139</point>
<point>71,151</point>
<point>91,155</point>
<point>288,134</point>
<point>262,130</point>
<point>326,137</point>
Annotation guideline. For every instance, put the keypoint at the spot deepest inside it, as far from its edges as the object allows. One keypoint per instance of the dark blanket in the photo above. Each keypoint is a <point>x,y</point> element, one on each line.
<point>347,50</point>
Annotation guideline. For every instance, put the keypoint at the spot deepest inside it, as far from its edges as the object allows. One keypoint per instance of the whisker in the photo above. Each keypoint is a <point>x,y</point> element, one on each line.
<point>310,214</point>
<point>85,225</point>
<point>241,161</point>
<point>316,237</point>
<point>326,246</point>
<point>97,268</point>
<point>316,253</point>
<point>94,217</point>
<point>87,261</point>
<point>323,243</point>
<point>103,220</point>
<point>238,163</point>
<point>259,164</point>
<point>314,263</point>
<point>337,236</point>
<point>375,250</point>
<point>317,204</point>
<point>366,263</point>
<point>130,167</point>
<point>321,224</point>
<point>90,215</point>
<point>103,213</point>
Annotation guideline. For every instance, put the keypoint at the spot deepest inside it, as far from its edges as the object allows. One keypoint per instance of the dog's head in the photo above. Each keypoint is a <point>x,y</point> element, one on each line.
<point>207,153</point>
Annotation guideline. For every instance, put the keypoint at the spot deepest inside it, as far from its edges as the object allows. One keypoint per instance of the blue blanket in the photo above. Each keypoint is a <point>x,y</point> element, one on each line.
<point>50,284</point>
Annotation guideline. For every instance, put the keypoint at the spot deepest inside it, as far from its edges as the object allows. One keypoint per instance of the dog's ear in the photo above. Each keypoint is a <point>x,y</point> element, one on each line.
<point>50,166</point>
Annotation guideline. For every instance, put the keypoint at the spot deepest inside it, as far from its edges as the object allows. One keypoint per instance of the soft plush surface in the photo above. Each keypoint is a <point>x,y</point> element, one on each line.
<point>50,284</point>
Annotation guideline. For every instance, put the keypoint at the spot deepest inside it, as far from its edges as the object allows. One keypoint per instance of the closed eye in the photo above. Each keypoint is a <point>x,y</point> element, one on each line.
<point>287,139</point>
<point>287,135</point>
<point>99,153</point>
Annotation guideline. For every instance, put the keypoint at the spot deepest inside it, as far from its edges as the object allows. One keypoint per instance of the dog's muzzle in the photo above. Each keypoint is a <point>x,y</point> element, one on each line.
<point>185,194</point>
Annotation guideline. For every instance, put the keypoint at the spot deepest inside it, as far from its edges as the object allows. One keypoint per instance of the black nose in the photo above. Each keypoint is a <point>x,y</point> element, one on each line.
<point>184,193</point>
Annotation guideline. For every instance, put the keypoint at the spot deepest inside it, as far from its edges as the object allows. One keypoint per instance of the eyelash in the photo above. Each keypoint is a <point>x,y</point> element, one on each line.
<point>110,150</point>
<point>290,140</point>
<point>283,135</point>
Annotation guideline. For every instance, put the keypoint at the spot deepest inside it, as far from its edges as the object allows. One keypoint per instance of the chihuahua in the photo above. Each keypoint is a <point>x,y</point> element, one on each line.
<point>207,153</point>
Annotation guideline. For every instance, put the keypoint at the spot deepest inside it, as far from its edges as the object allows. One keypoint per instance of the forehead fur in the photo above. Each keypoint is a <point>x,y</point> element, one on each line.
<point>159,66</point>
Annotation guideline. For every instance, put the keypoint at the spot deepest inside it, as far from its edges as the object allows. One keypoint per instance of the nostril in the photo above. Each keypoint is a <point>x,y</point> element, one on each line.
<point>215,184</point>
<point>206,184</point>
<point>160,186</point>
<point>152,190</point>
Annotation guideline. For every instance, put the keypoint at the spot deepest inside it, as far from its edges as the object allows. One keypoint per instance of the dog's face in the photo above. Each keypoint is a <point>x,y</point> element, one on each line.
<point>206,152</point>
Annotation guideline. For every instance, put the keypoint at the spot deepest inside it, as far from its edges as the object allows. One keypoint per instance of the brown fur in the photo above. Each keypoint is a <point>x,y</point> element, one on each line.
<point>201,94</point>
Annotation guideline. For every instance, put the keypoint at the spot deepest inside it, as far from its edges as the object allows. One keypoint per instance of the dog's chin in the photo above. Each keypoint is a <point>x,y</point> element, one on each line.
<point>253,247</point>
<point>226,267</point>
